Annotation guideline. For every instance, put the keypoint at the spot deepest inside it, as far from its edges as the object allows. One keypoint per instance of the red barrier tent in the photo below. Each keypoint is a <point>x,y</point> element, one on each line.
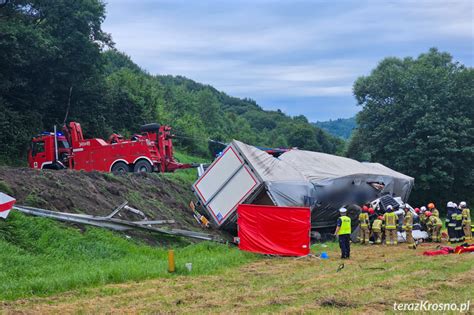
<point>274,230</point>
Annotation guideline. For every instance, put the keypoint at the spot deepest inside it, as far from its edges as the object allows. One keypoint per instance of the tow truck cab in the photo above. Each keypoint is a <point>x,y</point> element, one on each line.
<point>41,154</point>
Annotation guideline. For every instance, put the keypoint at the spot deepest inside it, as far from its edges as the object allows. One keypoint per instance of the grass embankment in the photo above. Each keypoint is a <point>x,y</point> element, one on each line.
<point>371,282</point>
<point>185,176</point>
<point>39,257</point>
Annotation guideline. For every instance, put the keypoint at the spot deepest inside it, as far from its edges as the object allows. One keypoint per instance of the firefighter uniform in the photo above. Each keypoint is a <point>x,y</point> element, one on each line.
<point>377,230</point>
<point>408,228</point>
<point>364,228</point>
<point>466,223</point>
<point>451,215</point>
<point>390,219</point>
<point>434,227</point>
<point>423,220</point>
<point>459,230</point>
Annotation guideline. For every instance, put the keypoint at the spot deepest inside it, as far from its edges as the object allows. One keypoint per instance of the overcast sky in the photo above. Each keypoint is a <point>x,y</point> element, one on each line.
<point>298,56</point>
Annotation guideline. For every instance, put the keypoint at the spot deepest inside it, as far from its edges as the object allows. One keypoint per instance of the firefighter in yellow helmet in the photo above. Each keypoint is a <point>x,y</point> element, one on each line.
<point>434,225</point>
<point>364,226</point>
<point>377,229</point>
<point>408,228</point>
<point>391,220</point>
<point>466,220</point>
<point>433,210</point>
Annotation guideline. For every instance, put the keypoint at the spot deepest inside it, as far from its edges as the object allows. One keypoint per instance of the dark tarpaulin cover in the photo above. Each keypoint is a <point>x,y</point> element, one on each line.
<point>274,230</point>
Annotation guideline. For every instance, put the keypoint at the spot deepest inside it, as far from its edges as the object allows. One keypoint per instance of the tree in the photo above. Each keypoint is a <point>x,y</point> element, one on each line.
<point>49,46</point>
<point>417,118</point>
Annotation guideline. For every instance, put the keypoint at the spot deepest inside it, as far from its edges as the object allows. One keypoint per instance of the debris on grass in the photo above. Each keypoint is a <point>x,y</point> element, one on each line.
<point>337,303</point>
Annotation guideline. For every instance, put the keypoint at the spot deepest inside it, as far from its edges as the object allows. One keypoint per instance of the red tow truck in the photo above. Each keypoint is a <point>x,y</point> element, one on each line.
<point>148,151</point>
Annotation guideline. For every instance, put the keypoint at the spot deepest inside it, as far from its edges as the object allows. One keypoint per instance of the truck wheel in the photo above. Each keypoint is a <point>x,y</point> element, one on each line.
<point>142,167</point>
<point>120,168</point>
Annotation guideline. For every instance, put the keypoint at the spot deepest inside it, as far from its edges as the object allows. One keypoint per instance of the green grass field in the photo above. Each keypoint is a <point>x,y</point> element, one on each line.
<point>371,282</point>
<point>40,257</point>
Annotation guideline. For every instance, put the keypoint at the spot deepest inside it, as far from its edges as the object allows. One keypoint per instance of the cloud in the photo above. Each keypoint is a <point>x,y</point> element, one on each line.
<point>277,51</point>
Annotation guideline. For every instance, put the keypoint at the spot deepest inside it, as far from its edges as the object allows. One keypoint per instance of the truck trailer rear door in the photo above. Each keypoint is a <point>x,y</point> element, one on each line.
<point>228,182</point>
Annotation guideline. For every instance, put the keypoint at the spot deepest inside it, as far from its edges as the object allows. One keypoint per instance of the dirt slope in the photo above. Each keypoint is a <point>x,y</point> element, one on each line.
<point>159,196</point>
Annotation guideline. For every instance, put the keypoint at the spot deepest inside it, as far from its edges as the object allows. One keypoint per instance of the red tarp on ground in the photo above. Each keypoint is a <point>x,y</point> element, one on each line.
<point>464,249</point>
<point>274,230</point>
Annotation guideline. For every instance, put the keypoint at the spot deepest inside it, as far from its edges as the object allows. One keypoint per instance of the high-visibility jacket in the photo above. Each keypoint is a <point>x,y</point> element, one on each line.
<point>459,215</point>
<point>345,227</point>
<point>435,212</point>
<point>408,222</point>
<point>423,218</point>
<point>364,219</point>
<point>434,221</point>
<point>390,219</point>
<point>458,219</point>
<point>466,216</point>
<point>451,217</point>
<point>377,225</point>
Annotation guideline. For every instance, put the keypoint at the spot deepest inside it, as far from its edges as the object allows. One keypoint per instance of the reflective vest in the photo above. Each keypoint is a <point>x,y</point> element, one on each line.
<point>435,212</point>
<point>377,225</point>
<point>466,215</point>
<point>345,225</point>
<point>434,221</point>
<point>364,219</point>
<point>423,218</point>
<point>390,220</point>
<point>451,218</point>
<point>408,221</point>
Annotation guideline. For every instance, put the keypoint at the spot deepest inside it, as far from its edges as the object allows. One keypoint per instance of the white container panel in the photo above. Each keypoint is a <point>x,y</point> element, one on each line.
<point>236,191</point>
<point>218,174</point>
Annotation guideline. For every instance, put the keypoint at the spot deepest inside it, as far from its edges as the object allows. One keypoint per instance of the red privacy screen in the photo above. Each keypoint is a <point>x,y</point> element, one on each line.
<point>274,230</point>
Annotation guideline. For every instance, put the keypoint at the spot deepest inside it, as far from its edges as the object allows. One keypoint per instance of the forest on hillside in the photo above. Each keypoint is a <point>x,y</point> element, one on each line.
<point>56,59</point>
<point>416,114</point>
<point>341,127</point>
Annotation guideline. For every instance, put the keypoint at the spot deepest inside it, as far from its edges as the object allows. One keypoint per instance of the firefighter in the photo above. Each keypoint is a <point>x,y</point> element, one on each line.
<point>451,215</point>
<point>343,231</point>
<point>423,218</point>
<point>408,228</point>
<point>364,226</point>
<point>391,220</point>
<point>434,227</point>
<point>416,220</point>
<point>433,210</point>
<point>372,216</point>
<point>466,220</point>
<point>377,226</point>
<point>459,230</point>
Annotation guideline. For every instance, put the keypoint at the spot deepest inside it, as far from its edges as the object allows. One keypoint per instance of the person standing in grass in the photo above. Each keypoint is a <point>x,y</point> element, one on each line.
<point>408,228</point>
<point>451,222</point>
<point>391,220</point>
<point>343,231</point>
<point>466,220</point>
<point>364,225</point>
<point>459,230</point>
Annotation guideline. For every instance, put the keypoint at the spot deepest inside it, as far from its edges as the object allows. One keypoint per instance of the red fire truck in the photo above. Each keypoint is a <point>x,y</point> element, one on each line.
<point>150,150</point>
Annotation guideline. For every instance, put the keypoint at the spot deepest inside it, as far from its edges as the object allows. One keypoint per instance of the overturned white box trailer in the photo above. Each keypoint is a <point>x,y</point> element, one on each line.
<point>323,182</point>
